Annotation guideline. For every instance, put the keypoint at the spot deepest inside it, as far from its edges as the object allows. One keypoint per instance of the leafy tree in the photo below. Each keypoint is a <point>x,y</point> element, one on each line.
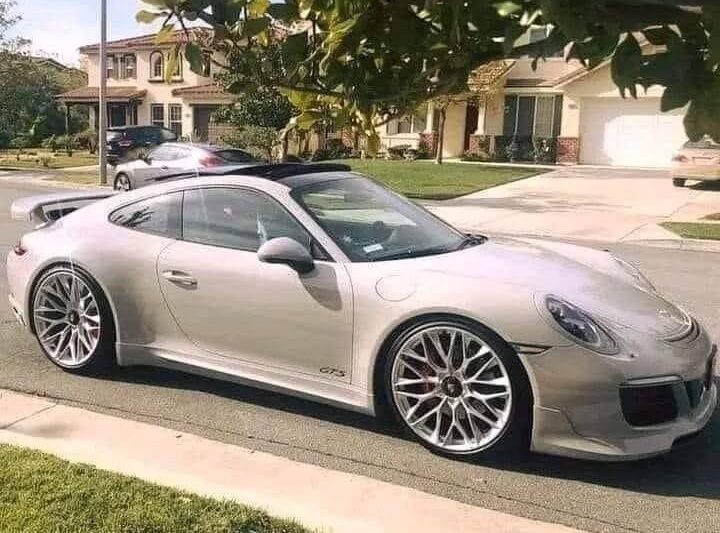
<point>380,58</point>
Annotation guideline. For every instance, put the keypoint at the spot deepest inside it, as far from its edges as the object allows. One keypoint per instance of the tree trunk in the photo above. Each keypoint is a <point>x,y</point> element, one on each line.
<point>284,147</point>
<point>440,136</point>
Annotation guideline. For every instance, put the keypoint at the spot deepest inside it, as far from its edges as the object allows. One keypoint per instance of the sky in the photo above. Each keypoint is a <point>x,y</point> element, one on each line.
<point>57,28</point>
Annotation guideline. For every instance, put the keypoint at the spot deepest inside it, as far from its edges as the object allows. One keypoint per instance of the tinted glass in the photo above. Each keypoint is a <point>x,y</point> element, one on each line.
<point>235,156</point>
<point>136,134</point>
<point>372,223</point>
<point>236,218</point>
<point>114,135</point>
<point>159,215</point>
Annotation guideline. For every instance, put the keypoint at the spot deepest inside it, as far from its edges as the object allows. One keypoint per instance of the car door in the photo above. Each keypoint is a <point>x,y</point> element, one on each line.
<point>154,166</point>
<point>229,303</point>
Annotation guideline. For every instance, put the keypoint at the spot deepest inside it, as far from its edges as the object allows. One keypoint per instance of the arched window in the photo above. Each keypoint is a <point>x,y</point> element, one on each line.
<point>157,65</point>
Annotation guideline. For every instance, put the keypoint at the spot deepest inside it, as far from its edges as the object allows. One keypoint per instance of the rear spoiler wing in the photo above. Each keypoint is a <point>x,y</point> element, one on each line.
<point>50,207</point>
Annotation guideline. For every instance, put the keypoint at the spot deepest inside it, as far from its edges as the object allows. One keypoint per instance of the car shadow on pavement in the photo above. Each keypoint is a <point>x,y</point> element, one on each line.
<point>690,469</point>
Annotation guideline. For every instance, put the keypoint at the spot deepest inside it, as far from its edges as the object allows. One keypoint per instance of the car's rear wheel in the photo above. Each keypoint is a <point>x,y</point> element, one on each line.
<point>678,182</point>
<point>122,183</point>
<point>72,321</point>
<point>459,389</point>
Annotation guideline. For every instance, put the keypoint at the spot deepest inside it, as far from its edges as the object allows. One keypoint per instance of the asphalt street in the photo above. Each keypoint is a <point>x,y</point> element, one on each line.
<point>676,492</point>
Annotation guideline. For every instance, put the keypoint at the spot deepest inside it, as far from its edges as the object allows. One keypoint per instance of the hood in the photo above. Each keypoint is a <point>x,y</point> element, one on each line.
<point>591,279</point>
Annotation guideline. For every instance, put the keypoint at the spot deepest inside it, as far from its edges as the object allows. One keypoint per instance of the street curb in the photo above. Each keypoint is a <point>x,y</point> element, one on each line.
<point>315,496</point>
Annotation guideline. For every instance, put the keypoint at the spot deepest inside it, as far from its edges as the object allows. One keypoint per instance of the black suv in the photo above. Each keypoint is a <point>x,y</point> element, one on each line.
<point>128,140</point>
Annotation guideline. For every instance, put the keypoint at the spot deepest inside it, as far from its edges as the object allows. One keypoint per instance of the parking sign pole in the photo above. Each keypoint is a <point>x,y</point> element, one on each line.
<point>102,107</point>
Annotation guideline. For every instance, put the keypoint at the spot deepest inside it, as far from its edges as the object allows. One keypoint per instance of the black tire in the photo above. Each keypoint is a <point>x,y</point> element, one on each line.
<point>122,182</point>
<point>514,440</point>
<point>103,358</point>
<point>679,182</point>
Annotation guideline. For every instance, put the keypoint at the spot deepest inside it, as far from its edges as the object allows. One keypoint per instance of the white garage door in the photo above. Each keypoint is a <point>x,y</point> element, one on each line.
<point>628,132</point>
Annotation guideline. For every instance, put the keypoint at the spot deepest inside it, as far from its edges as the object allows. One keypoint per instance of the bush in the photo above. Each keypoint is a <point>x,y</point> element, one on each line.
<point>87,140</point>
<point>45,160</point>
<point>334,149</point>
<point>477,156</point>
<point>398,152</point>
<point>257,140</point>
<point>51,143</point>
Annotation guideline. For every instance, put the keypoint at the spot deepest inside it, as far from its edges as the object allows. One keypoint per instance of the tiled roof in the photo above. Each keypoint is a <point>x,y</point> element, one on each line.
<point>92,94</point>
<point>144,41</point>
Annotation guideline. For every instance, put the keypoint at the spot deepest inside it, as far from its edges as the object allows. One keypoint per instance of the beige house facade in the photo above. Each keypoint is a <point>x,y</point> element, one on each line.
<point>139,94</point>
<point>560,112</point>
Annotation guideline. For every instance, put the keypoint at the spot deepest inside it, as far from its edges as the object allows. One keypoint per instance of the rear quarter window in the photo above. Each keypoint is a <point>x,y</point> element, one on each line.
<point>159,215</point>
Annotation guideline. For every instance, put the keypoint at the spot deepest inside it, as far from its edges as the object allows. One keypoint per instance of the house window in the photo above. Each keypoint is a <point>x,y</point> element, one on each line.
<point>111,66</point>
<point>157,115</point>
<point>532,116</point>
<point>176,119</point>
<point>127,67</point>
<point>157,66</point>
<point>415,123</point>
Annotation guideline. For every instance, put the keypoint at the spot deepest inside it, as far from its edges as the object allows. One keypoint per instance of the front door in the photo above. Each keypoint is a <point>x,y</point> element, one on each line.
<point>229,303</point>
<point>202,116</point>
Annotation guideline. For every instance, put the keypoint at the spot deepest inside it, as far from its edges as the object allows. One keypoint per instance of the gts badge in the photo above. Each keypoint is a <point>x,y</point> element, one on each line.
<point>333,372</point>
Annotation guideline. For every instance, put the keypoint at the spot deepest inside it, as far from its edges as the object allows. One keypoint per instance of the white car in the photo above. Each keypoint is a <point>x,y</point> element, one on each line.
<point>316,281</point>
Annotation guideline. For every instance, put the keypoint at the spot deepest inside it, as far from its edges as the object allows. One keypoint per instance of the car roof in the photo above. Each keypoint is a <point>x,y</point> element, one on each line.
<point>203,146</point>
<point>133,127</point>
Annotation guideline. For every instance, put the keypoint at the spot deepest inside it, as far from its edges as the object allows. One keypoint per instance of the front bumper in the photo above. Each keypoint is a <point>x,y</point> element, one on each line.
<point>580,410</point>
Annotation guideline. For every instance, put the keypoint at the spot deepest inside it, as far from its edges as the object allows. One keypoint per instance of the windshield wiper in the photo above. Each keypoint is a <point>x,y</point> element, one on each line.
<point>471,240</point>
<point>412,253</point>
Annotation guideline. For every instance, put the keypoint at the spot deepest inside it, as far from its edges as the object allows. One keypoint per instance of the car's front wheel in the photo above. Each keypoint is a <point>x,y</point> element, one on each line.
<point>72,321</point>
<point>678,182</point>
<point>459,389</point>
<point>122,182</point>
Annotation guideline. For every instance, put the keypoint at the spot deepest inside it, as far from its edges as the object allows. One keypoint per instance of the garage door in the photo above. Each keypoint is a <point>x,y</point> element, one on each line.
<point>628,132</point>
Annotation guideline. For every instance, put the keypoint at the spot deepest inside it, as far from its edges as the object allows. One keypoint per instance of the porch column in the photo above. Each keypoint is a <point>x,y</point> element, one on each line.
<point>67,118</point>
<point>568,149</point>
<point>480,143</point>
<point>428,138</point>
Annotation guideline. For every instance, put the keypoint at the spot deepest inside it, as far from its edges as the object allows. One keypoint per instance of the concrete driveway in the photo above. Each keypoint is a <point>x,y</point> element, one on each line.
<point>599,204</point>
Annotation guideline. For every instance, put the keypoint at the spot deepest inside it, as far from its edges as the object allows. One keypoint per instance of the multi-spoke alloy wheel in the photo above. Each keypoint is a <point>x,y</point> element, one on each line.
<point>451,388</point>
<point>69,318</point>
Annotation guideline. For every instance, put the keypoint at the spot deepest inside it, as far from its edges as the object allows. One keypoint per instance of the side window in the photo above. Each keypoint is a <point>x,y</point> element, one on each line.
<point>162,153</point>
<point>159,215</point>
<point>235,218</point>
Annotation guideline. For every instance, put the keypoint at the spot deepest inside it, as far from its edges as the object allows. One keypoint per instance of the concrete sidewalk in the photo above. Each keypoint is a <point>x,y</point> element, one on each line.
<point>317,497</point>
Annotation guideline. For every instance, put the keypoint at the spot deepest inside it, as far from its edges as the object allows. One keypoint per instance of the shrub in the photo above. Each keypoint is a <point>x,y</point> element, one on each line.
<point>45,160</point>
<point>51,143</point>
<point>398,152</point>
<point>257,140</point>
<point>87,140</point>
<point>477,156</point>
<point>334,149</point>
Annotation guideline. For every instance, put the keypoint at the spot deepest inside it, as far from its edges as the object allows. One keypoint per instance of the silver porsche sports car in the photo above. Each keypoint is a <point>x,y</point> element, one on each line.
<point>319,282</point>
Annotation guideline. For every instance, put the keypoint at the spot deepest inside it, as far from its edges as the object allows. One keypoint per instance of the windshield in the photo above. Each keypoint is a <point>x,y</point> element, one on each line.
<point>371,223</point>
<point>113,135</point>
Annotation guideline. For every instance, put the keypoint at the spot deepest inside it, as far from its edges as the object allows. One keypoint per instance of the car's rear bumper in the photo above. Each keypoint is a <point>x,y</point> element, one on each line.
<point>580,410</point>
<point>696,172</point>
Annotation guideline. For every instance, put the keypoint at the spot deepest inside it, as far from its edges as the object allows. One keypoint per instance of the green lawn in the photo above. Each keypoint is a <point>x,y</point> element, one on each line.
<point>39,494</point>
<point>39,158</point>
<point>694,230</point>
<point>425,180</point>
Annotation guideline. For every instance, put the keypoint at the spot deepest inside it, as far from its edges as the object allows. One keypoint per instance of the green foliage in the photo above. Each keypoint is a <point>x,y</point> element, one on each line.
<point>263,106</point>
<point>260,141</point>
<point>334,149</point>
<point>374,59</point>
<point>87,140</point>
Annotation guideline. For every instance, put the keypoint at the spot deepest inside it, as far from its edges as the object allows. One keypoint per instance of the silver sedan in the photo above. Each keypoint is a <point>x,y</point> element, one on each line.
<point>168,159</point>
<point>328,286</point>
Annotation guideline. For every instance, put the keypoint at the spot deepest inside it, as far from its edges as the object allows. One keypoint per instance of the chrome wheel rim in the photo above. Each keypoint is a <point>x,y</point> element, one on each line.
<point>452,389</point>
<point>67,318</point>
<point>122,183</point>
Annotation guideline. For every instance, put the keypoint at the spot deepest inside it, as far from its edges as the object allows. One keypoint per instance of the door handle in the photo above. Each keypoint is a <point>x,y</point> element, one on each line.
<point>180,278</point>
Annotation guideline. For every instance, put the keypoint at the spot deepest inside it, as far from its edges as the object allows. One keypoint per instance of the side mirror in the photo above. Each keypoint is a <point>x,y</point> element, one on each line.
<point>286,251</point>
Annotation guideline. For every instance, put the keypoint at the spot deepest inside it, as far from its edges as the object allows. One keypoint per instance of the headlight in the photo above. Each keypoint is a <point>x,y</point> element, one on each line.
<point>578,324</point>
<point>640,280</point>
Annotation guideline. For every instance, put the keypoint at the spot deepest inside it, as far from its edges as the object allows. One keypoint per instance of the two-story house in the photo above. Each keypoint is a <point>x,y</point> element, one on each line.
<point>138,92</point>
